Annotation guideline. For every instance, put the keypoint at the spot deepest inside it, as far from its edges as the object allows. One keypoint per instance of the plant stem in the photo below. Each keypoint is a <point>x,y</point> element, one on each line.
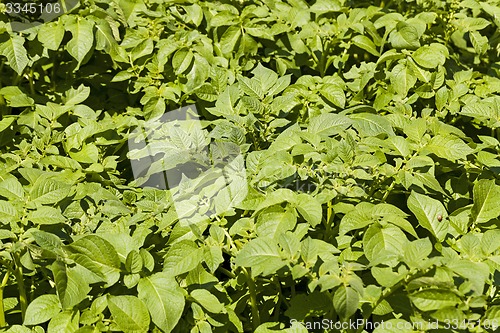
<point>31,82</point>
<point>280,300</point>
<point>253,299</point>
<point>5,279</point>
<point>226,272</point>
<point>3,104</point>
<point>18,273</point>
<point>329,220</point>
<point>388,190</point>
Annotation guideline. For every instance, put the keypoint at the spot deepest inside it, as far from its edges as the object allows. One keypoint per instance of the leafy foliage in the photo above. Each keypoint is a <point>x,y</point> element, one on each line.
<point>369,132</point>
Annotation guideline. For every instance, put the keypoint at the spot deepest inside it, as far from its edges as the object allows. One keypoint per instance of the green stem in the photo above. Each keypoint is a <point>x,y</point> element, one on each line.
<point>31,82</point>
<point>384,40</point>
<point>253,299</point>
<point>227,273</point>
<point>323,60</point>
<point>3,104</point>
<point>329,220</point>
<point>17,79</point>
<point>3,107</point>
<point>18,273</point>
<point>5,279</point>
<point>388,191</point>
<point>277,310</point>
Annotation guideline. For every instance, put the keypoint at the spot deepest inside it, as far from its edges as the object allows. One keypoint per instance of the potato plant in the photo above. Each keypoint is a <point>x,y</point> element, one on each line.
<point>369,135</point>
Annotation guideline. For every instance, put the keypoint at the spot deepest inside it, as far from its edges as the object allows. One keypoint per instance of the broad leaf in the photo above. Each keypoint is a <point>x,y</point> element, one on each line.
<point>129,313</point>
<point>42,309</point>
<point>434,299</point>
<point>260,254</point>
<point>13,49</point>
<point>163,298</point>
<point>83,38</point>
<point>486,197</point>
<point>98,256</point>
<point>430,213</point>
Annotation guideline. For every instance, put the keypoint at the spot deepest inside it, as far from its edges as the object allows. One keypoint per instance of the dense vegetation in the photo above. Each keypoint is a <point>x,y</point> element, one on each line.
<point>369,132</point>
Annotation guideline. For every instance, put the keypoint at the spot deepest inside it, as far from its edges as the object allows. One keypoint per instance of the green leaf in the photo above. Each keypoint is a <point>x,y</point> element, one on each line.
<point>385,276</point>
<point>369,124</point>
<point>345,301</point>
<point>13,49</point>
<point>490,242</point>
<point>328,124</point>
<point>417,251</point>
<point>182,257</point>
<point>48,191</point>
<point>325,6</point>
<point>472,23</point>
<point>66,321</point>
<point>18,329</point>
<point>207,92</point>
<point>144,48</point>
<point>98,256</point>
<point>46,240</point>
<point>16,98</point>
<point>401,145</point>
<point>83,38</point>
<point>309,208</point>
<point>448,147</point>
<point>267,78</point>
<point>8,213</point>
<point>71,286</point>
<point>251,87</point>
<point>11,188</point>
<point>273,223</point>
<point>479,42</point>
<point>133,263</point>
<point>46,215</point>
<point>366,44</point>
<point>404,37</point>
<point>51,35</point>
<point>42,309</point>
<point>334,94</point>
<point>402,79</point>
<point>129,313</point>
<point>181,60</point>
<point>492,314</point>
<point>87,154</point>
<point>379,242</point>
<point>212,255</point>
<point>427,210</point>
<point>163,298</point>
<point>476,272</point>
<point>357,218</point>
<point>5,123</point>
<point>262,255</point>
<point>194,14</point>
<point>76,96</point>
<point>207,300</point>
<point>434,299</point>
<point>106,40</point>
<point>431,56</point>
<point>229,40</point>
<point>486,197</point>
